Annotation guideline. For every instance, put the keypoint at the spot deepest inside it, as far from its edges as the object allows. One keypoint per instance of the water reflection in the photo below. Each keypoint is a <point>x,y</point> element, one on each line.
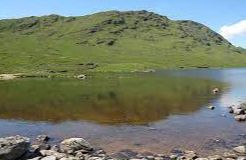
<point>135,99</point>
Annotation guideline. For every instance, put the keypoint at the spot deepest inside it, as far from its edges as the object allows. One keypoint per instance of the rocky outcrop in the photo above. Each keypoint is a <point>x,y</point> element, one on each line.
<point>12,148</point>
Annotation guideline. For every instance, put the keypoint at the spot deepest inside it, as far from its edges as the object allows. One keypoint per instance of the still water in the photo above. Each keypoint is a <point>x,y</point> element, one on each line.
<point>154,112</point>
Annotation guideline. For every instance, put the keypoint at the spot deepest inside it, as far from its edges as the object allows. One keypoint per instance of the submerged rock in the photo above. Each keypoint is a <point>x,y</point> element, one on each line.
<point>12,148</point>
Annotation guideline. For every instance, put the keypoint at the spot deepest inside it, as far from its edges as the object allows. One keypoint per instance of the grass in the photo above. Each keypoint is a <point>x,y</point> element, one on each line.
<point>110,42</point>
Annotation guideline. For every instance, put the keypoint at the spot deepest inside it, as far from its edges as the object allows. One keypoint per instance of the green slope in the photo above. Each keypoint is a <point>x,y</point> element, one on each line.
<point>111,41</point>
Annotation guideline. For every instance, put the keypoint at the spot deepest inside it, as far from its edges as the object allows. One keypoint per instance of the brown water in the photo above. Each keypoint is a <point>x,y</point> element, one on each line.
<point>144,112</point>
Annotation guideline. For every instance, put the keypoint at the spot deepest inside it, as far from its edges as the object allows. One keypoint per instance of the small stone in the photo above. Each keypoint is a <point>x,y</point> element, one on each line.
<point>173,157</point>
<point>215,90</point>
<point>46,152</point>
<point>101,155</point>
<point>190,155</point>
<point>240,149</point>
<point>230,155</point>
<point>160,155</point>
<point>150,157</point>
<point>49,158</point>
<point>79,155</point>
<point>52,153</point>
<point>124,154</point>
<point>36,158</point>
<point>238,111</point>
<point>230,110</point>
<point>82,76</point>
<point>94,158</point>
<point>38,147</point>
<point>181,158</point>
<point>74,144</point>
<point>55,148</point>
<point>100,151</point>
<point>215,157</point>
<point>240,118</point>
<point>70,158</point>
<point>202,159</point>
<point>42,138</point>
<point>211,107</point>
<point>223,115</point>
<point>241,158</point>
<point>140,156</point>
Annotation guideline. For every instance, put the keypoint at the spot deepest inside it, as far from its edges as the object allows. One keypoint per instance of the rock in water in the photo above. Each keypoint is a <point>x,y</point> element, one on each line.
<point>12,148</point>
<point>211,107</point>
<point>216,90</point>
<point>240,149</point>
<point>42,138</point>
<point>74,144</point>
<point>240,117</point>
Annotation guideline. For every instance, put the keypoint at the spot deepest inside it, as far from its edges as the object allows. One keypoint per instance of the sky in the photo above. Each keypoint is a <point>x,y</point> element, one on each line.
<point>227,17</point>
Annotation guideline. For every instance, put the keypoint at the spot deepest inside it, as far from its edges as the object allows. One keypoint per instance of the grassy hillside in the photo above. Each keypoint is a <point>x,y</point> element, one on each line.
<point>111,41</point>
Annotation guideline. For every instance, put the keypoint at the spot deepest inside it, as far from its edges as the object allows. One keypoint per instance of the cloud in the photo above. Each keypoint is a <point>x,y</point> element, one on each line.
<point>234,30</point>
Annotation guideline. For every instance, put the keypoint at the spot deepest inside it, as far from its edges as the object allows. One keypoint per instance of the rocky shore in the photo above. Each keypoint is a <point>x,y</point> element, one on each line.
<point>21,148</point>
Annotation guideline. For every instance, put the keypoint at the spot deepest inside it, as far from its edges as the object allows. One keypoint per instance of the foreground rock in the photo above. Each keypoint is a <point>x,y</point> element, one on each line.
<point>12,148</point>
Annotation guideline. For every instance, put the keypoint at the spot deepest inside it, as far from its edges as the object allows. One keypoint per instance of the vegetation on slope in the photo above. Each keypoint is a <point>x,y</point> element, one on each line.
<point>111,41</point>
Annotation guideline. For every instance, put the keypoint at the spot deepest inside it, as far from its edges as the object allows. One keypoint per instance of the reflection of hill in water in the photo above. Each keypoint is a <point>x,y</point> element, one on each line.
<point>135,99</point>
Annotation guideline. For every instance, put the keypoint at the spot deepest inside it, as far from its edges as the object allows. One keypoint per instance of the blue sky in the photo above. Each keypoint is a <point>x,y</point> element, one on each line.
<point>213,13</point>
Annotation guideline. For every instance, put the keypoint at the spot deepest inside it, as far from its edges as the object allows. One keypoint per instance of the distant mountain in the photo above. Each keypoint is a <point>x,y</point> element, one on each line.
<point>111,41</point>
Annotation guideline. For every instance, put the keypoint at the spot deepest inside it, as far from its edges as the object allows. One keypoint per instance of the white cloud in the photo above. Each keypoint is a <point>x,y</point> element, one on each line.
<point>234,30</point>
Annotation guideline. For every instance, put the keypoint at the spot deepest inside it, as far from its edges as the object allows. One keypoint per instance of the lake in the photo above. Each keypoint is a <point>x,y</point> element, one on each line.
<point>154,112</point>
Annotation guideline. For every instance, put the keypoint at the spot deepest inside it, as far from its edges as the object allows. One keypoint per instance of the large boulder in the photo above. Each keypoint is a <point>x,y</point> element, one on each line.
<point>74,144</point>
<point>14,147</point>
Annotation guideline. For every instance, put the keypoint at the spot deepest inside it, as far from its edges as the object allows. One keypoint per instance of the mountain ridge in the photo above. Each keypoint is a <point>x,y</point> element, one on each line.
<point>111,41</point>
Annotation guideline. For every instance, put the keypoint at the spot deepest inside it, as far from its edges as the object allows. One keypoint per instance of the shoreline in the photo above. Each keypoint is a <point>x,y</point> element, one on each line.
<point>21,148</point>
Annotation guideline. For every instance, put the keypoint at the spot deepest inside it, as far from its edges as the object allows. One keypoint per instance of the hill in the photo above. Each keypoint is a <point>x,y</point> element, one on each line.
<point>111,41</point>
